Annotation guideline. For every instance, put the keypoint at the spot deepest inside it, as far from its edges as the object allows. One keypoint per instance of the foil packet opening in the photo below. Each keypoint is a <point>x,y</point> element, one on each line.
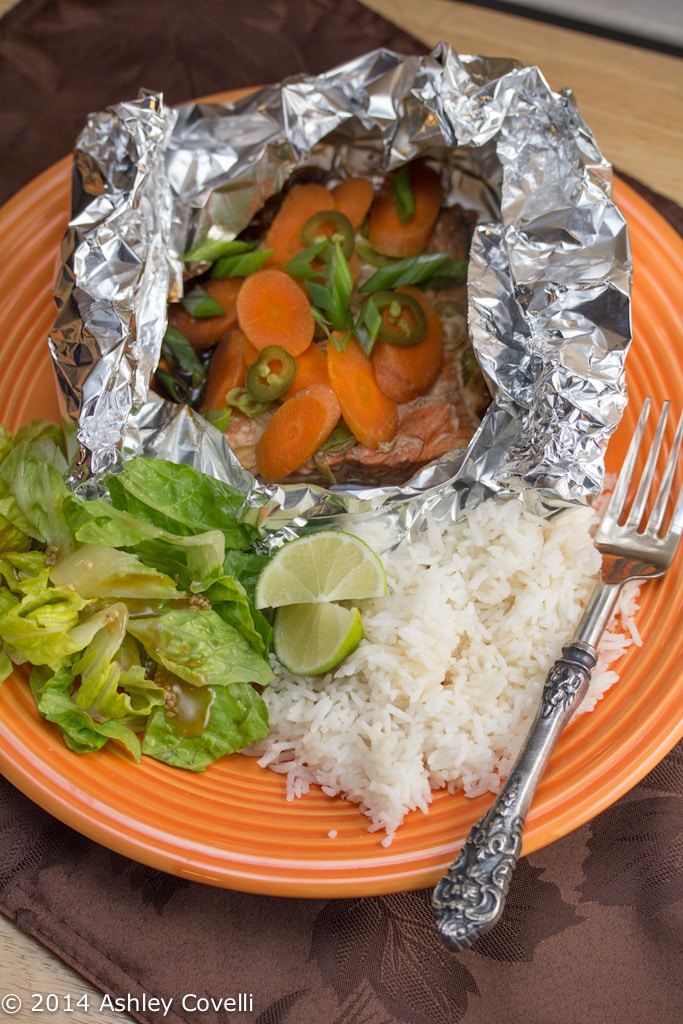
<point>548,285</point>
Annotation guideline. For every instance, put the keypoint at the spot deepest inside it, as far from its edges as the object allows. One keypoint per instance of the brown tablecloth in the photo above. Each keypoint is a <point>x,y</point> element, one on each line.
<point>593,927</point>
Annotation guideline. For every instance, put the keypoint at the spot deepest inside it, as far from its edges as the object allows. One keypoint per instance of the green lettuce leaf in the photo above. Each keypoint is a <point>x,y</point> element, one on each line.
<point>33,471</point>
<point>7,602</point>
<point>192,561</point>
<point>237,717</point>
<point>81,733</point>
<point>6,664</point>
<point>24,571</point>
<point>181,500</point>
<point>6,438</point>
<point>200,647</point>
<point>37,628</point>
<point>230,600</point>
<point>97,571</point>
<point>246,566</point>
<point>110,601</point>
<point>12,537</point>
<point>113,681</point>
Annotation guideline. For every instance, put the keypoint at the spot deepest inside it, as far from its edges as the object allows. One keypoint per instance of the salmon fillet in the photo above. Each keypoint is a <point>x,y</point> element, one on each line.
<point>439,422</point>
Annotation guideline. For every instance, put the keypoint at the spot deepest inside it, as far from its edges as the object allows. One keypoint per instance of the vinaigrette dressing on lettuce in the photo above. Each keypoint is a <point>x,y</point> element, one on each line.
<point>135,612</point>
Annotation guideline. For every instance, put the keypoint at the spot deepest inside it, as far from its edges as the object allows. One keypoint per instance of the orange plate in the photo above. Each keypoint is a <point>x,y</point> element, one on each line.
<point>232,825</point>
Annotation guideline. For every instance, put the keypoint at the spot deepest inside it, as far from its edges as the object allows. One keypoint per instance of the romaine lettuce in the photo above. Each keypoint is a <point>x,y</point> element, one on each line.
<point>180,499</point>
<point>117,602</point>
<point>200,647</point>
<point>52,694</point>
<point>237,717</point>
<point>33,471</point>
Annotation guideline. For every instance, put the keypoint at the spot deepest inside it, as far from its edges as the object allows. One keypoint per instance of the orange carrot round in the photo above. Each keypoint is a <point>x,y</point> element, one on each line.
<point>404,373</point>
<point>353,198</point>
<point>250,351</point>
<point>273,310</point>
<point>295,432</point>
<point>203,332</point>
<point>387,234</point>
<point>284,234</point>
<point>227,370</point>
<point>370,415</point>
<point>224,290</point>
<point>311,369</point>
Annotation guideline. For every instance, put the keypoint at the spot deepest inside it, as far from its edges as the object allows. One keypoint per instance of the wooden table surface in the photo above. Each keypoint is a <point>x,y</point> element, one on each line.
<point>632,100</point>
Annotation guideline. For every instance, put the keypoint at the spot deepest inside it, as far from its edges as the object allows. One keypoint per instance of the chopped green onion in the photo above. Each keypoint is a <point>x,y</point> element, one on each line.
<point>200,305</point>
<point>450,273</point>
<point>211,249</point>
<point>240,264</point>
<point>332,295</point>
<point>178,352</point>
<point>340,440</point>
<point>176,389</point>
<point>420,270</point>
<point>371,256</point>
<point>340,340</point>
<point>302,265</point>
<point>220,418</point>
<point>368,325</point>
<point>402,195</point>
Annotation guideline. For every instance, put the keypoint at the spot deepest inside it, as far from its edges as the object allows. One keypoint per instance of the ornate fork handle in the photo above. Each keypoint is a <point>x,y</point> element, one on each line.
<point>470,897</point>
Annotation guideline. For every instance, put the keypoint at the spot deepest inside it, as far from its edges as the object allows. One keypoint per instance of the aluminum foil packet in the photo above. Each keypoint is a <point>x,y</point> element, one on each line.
<point>548,283</point>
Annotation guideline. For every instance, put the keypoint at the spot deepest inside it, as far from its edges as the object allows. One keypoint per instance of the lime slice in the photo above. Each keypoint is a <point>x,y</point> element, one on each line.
<point>326,566</point>
<point>310,639</point>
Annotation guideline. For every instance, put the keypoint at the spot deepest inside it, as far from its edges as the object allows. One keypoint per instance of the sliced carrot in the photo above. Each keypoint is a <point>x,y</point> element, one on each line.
<point>295,432</point>
<point>370,415</point>
<point>227,369</point>
<point>311,369</point>
<point>203,332</point>
<point>250,351</point>
<point>225,290</point>
<point>404,373</point>
<point>284,234</point>
<point>273,310</point>
<point>387,234</point>
<point>353,198</point>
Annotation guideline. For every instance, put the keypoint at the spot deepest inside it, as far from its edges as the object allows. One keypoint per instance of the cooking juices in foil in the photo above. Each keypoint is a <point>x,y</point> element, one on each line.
<point>548,284</point>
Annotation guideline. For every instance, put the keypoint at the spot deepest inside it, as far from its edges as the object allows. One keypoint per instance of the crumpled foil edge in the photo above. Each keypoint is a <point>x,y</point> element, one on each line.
<point>548,285</point>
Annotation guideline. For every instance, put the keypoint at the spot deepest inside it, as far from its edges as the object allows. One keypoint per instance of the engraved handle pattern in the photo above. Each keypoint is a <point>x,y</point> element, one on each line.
<point>470,898</point>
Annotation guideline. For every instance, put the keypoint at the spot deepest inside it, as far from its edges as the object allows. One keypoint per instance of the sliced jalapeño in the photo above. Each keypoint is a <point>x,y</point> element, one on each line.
<point>403,319</point>
<point>329,226</point>
<point>271,374</point>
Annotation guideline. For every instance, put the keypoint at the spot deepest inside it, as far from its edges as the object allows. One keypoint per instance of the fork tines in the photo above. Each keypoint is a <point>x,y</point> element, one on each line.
<point>638,508</point>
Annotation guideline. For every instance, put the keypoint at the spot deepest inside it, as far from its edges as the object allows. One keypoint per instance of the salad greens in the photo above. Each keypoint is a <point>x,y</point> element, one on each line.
<point>134,611</point>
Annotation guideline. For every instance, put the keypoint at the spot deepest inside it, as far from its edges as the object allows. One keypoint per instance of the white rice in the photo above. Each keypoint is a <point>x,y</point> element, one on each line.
<point>443,687</point>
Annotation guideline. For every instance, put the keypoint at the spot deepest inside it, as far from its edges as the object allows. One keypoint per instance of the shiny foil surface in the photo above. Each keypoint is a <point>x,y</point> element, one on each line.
<point>548,285</point>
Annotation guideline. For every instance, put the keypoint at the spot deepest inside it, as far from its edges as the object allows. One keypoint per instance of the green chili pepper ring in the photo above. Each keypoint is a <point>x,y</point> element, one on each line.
<point>271,374</point>
<point>329,226</point>
<point>403,319</point>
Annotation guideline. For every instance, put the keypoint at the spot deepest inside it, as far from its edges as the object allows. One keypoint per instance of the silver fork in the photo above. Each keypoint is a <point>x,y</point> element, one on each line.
<point>470,898</point>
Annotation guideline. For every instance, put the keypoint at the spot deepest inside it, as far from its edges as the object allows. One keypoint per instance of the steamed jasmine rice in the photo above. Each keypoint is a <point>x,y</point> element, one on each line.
<point>441,691</point>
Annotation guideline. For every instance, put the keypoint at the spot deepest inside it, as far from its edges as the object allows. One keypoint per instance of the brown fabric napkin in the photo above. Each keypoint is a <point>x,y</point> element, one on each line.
<point>593,927</point>
<point>62,59</point>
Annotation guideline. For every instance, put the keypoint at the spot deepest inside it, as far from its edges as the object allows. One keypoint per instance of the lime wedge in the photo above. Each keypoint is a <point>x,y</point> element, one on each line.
<point>310,639</point>
<point>326,566</point>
